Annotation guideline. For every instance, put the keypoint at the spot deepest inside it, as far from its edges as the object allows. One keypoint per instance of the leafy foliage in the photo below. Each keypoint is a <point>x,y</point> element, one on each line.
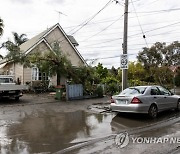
<point>14,50</point>
<point>1,26</point>
<point>99,91</point>
<point>177,77</point>
<point>53,63</point>
<point>157,59</point>
<point>160,54</point>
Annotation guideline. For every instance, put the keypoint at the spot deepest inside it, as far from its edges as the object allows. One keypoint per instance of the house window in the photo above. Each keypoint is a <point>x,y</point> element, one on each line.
<point>11,72</point>
<point>37,75</point>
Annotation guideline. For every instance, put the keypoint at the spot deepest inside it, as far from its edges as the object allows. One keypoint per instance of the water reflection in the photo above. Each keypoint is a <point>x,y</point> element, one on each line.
<point>48,131</point>
<point>123,121</point>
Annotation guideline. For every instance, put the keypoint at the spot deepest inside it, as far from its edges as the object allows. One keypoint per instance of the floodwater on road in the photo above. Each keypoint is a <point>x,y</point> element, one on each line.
<point>48,131</point>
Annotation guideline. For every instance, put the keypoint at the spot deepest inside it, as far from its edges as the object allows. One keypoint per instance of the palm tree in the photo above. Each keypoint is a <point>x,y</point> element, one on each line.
<point>1,26</point>
<point>19,39</point>
<point>13,47</point>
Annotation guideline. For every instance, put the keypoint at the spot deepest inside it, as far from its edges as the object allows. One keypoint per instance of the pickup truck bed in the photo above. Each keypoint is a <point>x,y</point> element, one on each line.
<point>10,87</point>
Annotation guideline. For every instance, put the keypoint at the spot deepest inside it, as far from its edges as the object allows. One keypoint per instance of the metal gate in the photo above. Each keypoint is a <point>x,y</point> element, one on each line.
<point>74,91</point>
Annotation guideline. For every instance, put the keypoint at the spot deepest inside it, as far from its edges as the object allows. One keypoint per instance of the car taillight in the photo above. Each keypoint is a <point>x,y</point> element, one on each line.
<point>112,100</point>
<point>135,100</point>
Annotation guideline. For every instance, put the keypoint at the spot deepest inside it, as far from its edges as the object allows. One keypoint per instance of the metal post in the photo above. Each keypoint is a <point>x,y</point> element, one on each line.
<point>124,71</point>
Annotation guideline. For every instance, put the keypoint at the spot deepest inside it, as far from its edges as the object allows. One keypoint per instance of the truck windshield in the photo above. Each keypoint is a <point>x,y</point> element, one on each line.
<point>6,80</point>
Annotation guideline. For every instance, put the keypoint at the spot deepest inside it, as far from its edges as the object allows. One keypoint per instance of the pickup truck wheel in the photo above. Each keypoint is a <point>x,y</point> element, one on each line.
<point>178,105</point>
<point>16,98</point>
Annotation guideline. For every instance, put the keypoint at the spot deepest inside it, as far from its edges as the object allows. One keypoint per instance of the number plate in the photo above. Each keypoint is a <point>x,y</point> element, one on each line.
<point>122,101</point>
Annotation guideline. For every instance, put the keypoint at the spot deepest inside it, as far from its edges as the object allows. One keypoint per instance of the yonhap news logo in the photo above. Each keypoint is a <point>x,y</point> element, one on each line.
<point>123,139</point>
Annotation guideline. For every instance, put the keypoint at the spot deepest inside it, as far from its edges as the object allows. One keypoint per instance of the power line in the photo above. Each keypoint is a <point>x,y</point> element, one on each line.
<point>158,11</point>
<point>139,24</point>
<point>103,29</point>
<point>117,56</point>
<point>112,40</point>
<point>156,29</point>
<point>87,21</point>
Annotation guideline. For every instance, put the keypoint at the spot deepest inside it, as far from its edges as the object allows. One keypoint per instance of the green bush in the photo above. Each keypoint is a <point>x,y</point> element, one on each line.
<point>112,88</point>
<point>177,80</point>
<point>99,91</point>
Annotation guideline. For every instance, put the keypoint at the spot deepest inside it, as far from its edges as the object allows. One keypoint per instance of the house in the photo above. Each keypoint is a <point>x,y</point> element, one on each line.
<point>43,42</point>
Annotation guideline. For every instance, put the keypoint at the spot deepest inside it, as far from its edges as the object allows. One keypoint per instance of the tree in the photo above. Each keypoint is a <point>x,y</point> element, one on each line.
<point>171,54</point>
<point>14,50</point>
<point>151,57</point>
<point>157,59</point>
<point>177,77</point>
<point>19,39</point>
<point>163,75</point>
<point>53,62</point>
<point>1,26</point>
<point>160,54</point>
<point>113,71</point>
<point>101,72</point>
<point>136,71</point>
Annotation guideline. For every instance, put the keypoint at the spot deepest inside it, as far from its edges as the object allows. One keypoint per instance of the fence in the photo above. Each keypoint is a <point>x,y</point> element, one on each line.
<point>74,91</point>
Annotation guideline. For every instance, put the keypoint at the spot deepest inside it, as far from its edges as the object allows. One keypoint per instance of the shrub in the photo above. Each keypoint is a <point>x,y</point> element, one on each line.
<point>99,91</point>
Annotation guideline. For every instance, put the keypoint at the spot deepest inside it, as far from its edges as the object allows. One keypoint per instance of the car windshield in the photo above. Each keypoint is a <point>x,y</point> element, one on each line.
<point>133,90</point>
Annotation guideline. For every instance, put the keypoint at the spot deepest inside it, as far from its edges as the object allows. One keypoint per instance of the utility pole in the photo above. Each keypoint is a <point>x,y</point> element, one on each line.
<point>125,71</point>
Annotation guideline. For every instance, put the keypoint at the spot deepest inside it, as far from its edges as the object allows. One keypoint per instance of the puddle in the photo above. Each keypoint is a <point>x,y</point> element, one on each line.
<point>49,131</point>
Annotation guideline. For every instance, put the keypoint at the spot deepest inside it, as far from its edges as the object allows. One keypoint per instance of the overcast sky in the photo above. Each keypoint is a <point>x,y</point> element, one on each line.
<point>101,38</point>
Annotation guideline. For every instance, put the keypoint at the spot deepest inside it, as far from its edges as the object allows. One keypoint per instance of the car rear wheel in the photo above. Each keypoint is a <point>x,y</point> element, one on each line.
<point>153,111</point>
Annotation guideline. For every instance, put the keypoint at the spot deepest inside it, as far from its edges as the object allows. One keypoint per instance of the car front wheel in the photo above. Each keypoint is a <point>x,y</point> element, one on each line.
<point>153,111</point>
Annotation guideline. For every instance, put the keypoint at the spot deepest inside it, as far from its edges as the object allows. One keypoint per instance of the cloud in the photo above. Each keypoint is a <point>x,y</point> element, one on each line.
<point>21,1</point>
<point>55,1</point>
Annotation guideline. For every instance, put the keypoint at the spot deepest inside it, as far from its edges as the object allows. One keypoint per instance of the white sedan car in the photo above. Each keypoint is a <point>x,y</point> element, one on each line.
<point>145,99</point>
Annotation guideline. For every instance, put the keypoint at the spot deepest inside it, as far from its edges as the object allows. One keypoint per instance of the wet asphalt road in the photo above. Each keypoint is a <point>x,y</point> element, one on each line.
<point>39,124</point>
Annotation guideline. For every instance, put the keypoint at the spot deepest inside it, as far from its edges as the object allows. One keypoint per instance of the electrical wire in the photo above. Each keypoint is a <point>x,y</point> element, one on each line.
<point>139,24</point>
<point>87,21</point>
<point>156,28</point>
<point>159,11</point>
<point>103,29</point>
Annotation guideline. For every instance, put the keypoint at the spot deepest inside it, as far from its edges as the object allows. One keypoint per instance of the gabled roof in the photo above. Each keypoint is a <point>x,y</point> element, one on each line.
<point>32,43</point>
<point>29,45</point>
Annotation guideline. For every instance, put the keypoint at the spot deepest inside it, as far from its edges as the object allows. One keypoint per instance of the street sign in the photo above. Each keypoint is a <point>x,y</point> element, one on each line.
<point>124,61</point>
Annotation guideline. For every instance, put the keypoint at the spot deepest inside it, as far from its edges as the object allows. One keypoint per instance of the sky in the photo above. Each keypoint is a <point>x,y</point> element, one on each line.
<point>101,36</point>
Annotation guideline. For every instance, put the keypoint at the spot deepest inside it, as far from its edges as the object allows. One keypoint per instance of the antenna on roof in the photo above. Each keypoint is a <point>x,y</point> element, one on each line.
<point>60,14</point>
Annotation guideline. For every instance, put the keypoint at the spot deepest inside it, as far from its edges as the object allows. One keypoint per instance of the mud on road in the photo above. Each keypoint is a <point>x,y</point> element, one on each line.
<point>41,124</point>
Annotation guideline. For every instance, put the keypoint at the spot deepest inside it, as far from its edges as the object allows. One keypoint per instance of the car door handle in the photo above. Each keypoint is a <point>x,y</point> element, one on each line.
<point>165,97</point>
<point>155,97</point>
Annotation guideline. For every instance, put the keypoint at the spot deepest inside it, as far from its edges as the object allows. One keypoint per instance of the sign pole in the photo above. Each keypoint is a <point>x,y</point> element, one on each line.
<point>124,71</point>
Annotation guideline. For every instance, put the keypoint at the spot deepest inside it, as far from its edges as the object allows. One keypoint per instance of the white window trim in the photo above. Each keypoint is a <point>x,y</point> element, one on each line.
<point>34,76</point>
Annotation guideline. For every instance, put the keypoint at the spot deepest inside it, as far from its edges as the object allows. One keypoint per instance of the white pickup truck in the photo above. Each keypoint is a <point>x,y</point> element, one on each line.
<point>9,89</point>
